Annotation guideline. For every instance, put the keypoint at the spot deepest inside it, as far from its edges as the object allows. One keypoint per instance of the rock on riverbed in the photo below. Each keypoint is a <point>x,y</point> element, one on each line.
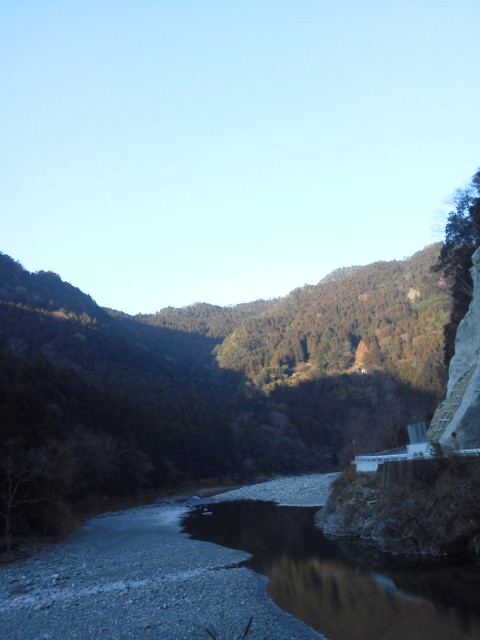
<point>134,574</point>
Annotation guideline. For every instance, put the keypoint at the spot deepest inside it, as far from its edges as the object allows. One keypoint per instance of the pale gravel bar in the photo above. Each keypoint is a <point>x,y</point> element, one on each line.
<point>134,574</point>
<point>297,491</point>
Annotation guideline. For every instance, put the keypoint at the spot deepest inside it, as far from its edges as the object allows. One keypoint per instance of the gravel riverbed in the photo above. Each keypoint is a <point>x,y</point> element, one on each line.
<point>134,574</point>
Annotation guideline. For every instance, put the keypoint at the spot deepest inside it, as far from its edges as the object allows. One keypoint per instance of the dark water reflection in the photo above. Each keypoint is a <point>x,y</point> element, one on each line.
<point>343,590</point>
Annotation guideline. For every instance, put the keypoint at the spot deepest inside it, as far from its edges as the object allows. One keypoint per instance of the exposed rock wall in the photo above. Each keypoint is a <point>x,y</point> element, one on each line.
<point>465,422</point>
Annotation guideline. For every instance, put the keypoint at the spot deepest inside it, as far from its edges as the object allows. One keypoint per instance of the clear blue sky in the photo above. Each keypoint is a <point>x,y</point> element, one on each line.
<point>158,153</point>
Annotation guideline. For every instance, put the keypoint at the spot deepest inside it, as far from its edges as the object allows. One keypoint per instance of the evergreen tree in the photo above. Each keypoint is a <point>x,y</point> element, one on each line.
<point>462,238</point>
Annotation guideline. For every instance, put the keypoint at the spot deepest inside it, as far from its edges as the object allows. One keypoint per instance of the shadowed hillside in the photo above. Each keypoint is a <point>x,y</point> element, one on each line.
<point>96,406</point>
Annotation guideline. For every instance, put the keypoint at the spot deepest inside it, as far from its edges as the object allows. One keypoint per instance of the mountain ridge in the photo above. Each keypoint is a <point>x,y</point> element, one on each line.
<point>366,303</point>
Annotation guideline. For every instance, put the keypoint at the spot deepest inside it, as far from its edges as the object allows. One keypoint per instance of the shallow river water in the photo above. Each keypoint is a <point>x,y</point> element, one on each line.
<point>343,590</point>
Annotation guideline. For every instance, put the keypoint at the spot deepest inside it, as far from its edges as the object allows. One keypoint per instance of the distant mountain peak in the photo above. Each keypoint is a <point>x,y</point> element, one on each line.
<point>339,274</point>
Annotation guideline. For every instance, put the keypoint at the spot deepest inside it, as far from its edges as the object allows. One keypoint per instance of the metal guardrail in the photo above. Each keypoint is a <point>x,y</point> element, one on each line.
<point>395,457</point>
<point>385,458</point>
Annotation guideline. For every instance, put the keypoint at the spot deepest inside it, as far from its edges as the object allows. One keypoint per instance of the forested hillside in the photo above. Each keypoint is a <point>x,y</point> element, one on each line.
<point>351,359</point>
<point>388,316</point>
<point>206,319</point>
<point>97,405</point>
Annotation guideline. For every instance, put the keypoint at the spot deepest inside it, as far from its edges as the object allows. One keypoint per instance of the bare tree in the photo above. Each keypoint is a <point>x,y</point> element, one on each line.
<point>19,468</point>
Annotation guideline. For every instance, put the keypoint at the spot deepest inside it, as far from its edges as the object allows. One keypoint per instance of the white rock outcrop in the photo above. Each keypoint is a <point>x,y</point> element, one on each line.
<point>463,390</point>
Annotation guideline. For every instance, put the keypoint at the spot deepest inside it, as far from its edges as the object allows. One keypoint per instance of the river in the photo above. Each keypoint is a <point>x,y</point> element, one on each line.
<point>343,590</point>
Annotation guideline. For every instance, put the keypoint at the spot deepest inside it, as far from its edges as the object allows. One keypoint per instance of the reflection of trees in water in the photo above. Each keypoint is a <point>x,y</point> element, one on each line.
<point>347,604</point>
<point>254,526</point>
<point>347,591</point>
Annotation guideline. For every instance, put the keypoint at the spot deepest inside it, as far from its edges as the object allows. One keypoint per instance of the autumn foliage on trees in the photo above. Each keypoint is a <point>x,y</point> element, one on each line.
<point>388,316</point>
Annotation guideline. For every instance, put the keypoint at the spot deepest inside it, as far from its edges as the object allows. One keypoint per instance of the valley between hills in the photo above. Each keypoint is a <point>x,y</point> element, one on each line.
<point>101,408</point>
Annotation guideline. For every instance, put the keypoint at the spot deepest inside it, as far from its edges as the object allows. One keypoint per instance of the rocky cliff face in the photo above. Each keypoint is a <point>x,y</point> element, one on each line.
<point>461,408</point>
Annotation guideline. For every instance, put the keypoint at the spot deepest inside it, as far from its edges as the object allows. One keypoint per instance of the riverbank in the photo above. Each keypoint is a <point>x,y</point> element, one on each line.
<point>431,510</point>
<point>134,574</point>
